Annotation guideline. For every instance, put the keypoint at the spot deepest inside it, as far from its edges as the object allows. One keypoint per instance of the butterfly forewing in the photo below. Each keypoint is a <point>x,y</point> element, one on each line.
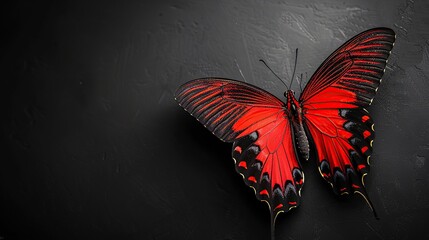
<point>350,76</point>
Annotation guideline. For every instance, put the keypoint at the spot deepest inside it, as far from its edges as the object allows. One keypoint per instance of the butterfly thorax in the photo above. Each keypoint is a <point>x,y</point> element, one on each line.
<point>294,111</point>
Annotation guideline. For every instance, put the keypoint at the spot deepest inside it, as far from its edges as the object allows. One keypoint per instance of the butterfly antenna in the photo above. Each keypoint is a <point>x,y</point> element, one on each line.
<point>294,68</point>
<point>273,72</point>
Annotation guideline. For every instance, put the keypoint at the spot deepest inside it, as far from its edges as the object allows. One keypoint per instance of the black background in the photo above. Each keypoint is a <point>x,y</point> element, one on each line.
<point>96,147</point>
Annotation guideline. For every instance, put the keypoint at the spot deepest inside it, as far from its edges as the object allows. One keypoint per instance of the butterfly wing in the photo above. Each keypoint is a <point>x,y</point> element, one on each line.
<point>351,74</point>
<point>333,104</point>
<point>257,124</point>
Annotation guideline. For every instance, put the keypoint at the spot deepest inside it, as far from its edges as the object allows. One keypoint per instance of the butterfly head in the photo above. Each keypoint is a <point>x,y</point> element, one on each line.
<point>287,93</point>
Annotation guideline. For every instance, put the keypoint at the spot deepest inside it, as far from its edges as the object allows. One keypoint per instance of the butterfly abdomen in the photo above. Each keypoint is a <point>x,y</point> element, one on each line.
<point>301,141</point>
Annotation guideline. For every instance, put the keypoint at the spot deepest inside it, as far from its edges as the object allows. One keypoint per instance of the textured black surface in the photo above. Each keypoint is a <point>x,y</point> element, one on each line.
<point>96,147</point>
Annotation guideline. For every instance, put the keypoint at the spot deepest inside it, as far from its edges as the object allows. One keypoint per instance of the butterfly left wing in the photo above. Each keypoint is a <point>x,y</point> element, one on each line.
<point>333,106</point>
<point>257,124</point>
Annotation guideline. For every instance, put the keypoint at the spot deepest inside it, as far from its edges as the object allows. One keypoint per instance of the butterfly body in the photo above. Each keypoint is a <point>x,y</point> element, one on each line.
<point>295,113</point>
<point>328,121</point>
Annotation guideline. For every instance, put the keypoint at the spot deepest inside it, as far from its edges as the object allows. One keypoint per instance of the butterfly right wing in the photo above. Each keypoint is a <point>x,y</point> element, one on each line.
<point>333,105</point>
<point>258,125</point>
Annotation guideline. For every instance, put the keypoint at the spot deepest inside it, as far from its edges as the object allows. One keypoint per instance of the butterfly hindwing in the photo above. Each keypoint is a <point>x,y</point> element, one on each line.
<point>257,124</point>
<point>266,159</point>
<point>343,143</point>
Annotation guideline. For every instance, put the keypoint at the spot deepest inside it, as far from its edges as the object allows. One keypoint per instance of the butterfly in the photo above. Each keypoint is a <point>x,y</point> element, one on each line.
<point>328,122</point>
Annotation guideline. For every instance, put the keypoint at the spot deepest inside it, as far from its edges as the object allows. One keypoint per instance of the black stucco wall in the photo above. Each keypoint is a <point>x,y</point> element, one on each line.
<point>96,147</point>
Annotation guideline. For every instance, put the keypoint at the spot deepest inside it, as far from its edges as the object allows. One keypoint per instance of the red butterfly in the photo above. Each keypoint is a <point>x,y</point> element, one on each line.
<point>269,136</point>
